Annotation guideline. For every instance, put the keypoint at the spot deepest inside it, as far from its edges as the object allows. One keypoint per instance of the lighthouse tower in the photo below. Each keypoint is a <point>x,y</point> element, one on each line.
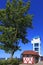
<point>36,44</point>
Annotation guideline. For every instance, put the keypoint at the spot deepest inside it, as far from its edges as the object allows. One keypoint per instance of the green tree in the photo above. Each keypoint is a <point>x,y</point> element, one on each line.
<point>14,20</point>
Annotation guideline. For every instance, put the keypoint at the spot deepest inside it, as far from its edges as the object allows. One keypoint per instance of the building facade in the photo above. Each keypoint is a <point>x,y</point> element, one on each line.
<point>30,57</point>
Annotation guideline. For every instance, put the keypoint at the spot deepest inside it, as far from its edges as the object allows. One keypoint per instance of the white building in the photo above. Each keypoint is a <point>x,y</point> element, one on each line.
<point>36,44</point>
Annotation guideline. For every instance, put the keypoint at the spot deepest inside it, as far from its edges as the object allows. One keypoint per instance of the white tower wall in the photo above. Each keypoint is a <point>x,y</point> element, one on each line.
<point>36,44</point>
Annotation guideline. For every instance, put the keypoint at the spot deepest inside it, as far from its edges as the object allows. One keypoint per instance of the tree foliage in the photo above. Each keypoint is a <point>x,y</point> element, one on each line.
<point>14,20</point>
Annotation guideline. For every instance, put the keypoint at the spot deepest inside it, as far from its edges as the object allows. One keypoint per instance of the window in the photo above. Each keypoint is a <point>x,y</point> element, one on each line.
<point>36,44</point>
<point>36,49</point>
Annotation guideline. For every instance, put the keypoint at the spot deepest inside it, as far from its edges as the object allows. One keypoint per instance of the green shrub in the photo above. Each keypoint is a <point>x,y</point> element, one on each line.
<point>0,62</point>
<point>3,62</point>
<point>13,62</point>
<point>9,62</point>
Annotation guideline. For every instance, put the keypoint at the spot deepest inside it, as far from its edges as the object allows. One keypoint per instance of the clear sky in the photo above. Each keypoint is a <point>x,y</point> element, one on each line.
<point>36,9</point>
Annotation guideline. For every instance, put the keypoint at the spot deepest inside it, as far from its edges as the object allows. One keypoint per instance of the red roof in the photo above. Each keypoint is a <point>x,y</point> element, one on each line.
<point>30,52</point>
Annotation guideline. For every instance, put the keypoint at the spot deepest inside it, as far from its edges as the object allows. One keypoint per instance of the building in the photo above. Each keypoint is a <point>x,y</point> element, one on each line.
<point>30,57</point>
<point>36,44</point>
<point>33,56</point>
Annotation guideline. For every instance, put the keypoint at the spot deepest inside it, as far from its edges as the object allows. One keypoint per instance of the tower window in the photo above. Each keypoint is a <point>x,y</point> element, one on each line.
<point>36,49</point>
<point>36,44</point>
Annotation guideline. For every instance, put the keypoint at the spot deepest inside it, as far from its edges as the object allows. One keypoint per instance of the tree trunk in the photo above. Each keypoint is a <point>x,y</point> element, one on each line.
<point>11,56</point>
<point>12,53</point>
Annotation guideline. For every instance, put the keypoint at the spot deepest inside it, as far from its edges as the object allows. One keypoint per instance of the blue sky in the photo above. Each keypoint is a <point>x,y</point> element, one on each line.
<point>36,9</point>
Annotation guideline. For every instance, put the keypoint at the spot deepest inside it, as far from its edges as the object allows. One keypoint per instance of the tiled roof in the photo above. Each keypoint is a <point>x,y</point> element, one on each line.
<point>30,52</point>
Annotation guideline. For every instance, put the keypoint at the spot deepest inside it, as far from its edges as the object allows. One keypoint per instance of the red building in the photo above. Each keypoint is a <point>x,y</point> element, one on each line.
<point>30,57</point>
